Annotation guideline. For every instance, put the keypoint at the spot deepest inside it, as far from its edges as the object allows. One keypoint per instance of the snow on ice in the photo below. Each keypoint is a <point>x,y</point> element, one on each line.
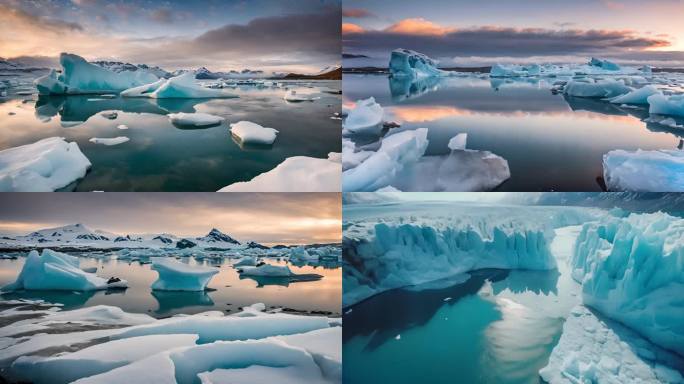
<point>109,141</point>
<point>196,119</point>
<point>43,166</point>
<point>296,174</point>
<point>251,133</point>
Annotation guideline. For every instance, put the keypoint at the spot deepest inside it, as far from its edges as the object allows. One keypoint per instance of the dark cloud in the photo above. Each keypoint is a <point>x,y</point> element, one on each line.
<point>494,41</point>
<point>15,15</point>
<point>317,33</point>
<point>357,13</point>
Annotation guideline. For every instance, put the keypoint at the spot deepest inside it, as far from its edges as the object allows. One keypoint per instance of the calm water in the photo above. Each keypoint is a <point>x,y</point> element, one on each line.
<point>163,157</point>
<point>551,142</point>
<point>229,291</point>
<point>498,327</point>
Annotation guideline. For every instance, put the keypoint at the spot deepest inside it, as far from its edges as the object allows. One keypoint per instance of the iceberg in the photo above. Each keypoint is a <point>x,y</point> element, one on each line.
<point>350,157</point>
<point>458,142</point>
<point>644,171</point>
<point>632,270</point>
<point>412,64</point>
<point>109,141</point>
<point>194,119</point>
<point>666,105</point>
<point>604,64</point>
<point>293,96</point>
<point>296,174</point>
<point>43,166</point>
<point>58,271</point>
<point>596,88</point>
<point>267,270</point>
<point>177,276</point>
<point>299,254</point>
<point>499,70</point>
<point>365,118</point>
<point>247,261</point>
<point>251,133</point>
<point>80,77</point>
<point>379,170</point>
<point>183,86</point>
<point>637,96</point>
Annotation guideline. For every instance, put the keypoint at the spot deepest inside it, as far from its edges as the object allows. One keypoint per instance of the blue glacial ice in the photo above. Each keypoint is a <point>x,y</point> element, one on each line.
<point>58,271</point>
<point>177,276</point>
<point>182,86</point>
<point>637,96</point>
<point>632,270</point>
<point>666,105</point>
<point>596,88</point>
<point>413,65</point>
<point>644,171</point>
<point>365,118</point>
<point>81,77</point>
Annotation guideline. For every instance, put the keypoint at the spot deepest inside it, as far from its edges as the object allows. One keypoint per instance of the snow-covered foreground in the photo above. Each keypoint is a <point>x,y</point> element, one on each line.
<point>629,322</point>
<point>103,344</point>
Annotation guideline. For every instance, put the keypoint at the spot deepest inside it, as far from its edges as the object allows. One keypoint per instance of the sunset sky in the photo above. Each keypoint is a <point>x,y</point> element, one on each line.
<point>488,31</point>
<point>271,35</point>
<point>268,218</point>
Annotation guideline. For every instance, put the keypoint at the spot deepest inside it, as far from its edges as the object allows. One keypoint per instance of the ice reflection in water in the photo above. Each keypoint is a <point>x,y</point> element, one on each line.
<point>551,142</point>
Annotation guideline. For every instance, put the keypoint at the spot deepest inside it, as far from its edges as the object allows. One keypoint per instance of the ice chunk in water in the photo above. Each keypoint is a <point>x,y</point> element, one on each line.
<point>251,133</point>
<point>177,276</point>
<point>365,118</point>
<point>666,105</point>
<point>637,96</point>
<point>195,119</point>
<point>654,171</point>
<point>412,64</point>
<point>183,86</point>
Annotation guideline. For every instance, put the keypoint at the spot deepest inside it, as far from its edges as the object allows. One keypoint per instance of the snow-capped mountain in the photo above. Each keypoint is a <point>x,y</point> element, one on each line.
<point>78,236</point>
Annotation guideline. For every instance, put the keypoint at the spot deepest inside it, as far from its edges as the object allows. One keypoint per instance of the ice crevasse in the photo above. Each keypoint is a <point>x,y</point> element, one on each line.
<point>58,271</point>
<point>80,77</point>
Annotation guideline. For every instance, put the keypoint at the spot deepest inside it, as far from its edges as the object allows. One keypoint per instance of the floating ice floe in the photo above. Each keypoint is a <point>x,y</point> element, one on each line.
<point>644,171</point>
<point>632,270</point>
<point>596,88</point>
<point>80,77</point>
<point>296,174</point>
<point>412,64</point>
<point>251,133</point>
<point>267,270</point>
<point>58,271</point>
<point>458,142</point>
<point>177,276</point>
<point>365,118</point>
<point>637,96</point>
<point>196,119</point>
<point>248,347</point>
<point>293,96</point>
<point>594,350</point>
<point>666,105</point>
<point>109,141</point>
<point>43,166</point>
<point>247,261</point>
<point>499,70</point>
<point>180,87</point>
<point>300,254</point>
<point>122,126</point>
<point>379,170</point>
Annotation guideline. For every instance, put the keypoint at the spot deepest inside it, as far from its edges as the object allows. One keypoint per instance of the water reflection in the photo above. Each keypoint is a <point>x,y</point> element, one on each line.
<point>385,315</point>
<point>537,282</point>
<point>169,301</point>
<point>403,88</point>
<point>70,299</point>
<point>284,281</point>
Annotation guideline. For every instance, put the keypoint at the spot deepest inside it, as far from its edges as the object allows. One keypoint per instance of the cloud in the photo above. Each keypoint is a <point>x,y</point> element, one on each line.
<point>357,13</point>
<point>348,28</point>
<point>418,26</point>
<point>15,16</point>
<point>437,41</point>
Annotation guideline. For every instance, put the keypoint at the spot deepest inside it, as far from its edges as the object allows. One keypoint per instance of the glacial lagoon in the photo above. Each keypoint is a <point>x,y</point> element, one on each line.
<point>161,156</point>
<point>552,142</point>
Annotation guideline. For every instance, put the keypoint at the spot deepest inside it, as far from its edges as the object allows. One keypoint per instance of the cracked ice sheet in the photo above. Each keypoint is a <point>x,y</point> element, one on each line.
<point>602,351</point>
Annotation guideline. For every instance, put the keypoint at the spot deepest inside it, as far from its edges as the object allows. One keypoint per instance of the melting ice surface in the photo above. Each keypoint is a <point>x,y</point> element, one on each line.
<point>551,141</point>
<point>605,313</point>
<point>163,156</point>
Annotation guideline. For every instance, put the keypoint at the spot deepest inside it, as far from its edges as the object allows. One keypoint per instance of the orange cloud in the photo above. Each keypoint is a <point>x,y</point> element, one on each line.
<point>348,28</point>
<point>418,26</point>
